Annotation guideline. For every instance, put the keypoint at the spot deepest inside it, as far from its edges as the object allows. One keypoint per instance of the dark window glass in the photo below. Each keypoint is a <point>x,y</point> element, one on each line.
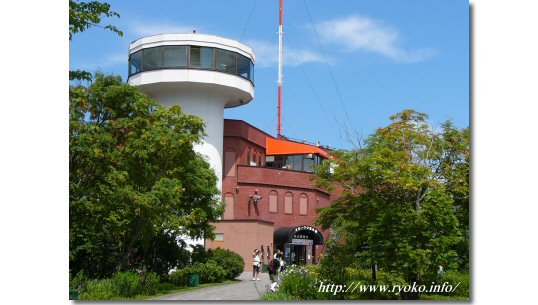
<point>252,71</point>
<point>243,66</point>
<point>254,158</point>
<point>225,61</point>
<point>195,57</point>
<point>297,162</point>
<point>135,63</point>
<point>175,56</point>
<point>153,58</point>
<point>289,162</point>
<point>248,158</point>
<point>307,164</point>
<point>207,58</point>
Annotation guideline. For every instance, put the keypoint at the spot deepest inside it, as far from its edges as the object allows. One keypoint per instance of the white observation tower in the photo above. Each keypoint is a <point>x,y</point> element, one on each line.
<point>202,73</point>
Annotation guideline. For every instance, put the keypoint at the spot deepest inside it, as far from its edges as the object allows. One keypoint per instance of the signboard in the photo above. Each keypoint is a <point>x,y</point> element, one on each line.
<point>308,228</point>
<point>305,242</point>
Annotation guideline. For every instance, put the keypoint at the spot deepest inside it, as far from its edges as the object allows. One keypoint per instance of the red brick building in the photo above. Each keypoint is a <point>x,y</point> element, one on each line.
<point>270,200</point>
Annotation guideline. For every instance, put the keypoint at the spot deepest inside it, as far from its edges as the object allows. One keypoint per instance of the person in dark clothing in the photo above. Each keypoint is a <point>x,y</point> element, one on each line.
<point>274,265</point>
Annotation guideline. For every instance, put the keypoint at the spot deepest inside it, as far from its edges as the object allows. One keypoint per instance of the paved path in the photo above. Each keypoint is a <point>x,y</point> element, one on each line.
<point>244,290</point>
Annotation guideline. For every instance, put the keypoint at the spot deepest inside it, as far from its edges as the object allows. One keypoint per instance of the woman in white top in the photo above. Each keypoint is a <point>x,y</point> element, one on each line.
<point>256,265</point>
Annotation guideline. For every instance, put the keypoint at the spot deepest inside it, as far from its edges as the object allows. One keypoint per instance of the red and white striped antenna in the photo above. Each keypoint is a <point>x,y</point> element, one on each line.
<point>279,127</point>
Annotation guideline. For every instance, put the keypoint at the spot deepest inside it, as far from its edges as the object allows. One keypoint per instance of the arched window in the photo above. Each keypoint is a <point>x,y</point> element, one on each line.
<point>229,206</point>
<point>303,205</point>
<point>273,202</point>
<point>288,203</point>
<point>248,157</point>
<point>229,162</point>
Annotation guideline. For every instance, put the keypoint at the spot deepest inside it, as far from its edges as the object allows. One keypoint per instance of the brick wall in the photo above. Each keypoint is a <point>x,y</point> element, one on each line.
<point>242,237</point>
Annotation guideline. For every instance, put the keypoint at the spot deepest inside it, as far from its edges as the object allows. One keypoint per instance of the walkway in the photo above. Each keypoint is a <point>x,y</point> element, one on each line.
<point>244,290</point>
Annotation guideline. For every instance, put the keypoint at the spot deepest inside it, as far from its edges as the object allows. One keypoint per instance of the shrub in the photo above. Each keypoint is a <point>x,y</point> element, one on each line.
<point>179,277</point>
<point>453,278</point>
<point>279,296</point>
<point>199,254</point>
<point>210,272</point>
<point>127,283</point>
<point>150,283</point>
<point>364,276</point>
<point>99,290</point>
<point>232,263</point>
<point>436,297</point>
<point>166,286</point>
<point>300,284</point>
<point>77,283</point>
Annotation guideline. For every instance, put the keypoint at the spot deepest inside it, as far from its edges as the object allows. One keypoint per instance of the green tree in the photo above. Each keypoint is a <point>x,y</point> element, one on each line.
<point>133,176</point>
<point>84,15</point>
<point>406,192</point>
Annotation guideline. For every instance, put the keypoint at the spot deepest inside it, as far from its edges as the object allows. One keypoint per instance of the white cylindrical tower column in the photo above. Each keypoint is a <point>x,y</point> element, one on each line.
<point>202,73</point>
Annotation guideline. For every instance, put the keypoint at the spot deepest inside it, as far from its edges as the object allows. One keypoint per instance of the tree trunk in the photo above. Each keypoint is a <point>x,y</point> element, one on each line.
<point>127,252</point>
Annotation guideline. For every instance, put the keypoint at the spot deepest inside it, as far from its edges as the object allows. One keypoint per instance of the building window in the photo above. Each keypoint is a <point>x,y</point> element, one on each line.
<point>225,61</point>
<point>174,56</point>
<point>135,63</point>
<point>273,202</point>
<point>152,59</point>
<point>303,205</point>
<point>288,203</point>
<point>229,206</point>
<point>191,57</point>
<point>219,236</point>
<point>207,58</point>
<point>229,163</point>
<point>243,66</point>
<point>194,60</point>
<point>248,157</point>
<point>254,159</point>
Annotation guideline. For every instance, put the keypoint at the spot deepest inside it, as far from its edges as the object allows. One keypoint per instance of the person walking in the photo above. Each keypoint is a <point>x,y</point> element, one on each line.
<point>280,257</point>
<point>274,265</point>
<point>256,260</point>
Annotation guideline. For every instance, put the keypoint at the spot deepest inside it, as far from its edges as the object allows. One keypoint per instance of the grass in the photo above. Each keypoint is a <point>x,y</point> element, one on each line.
<point>183,289</point>
<point>437,297</point>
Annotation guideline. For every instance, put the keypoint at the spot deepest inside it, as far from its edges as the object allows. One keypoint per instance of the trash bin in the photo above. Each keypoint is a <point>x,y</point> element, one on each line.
<point>265,268</point>
<point>193,279</point>
<point>73,294</point>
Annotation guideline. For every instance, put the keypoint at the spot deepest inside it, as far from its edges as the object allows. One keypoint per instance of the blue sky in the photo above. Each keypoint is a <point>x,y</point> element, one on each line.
<point>383,55</point>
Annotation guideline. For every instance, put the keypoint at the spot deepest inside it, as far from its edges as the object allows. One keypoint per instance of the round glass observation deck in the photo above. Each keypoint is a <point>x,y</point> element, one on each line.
<point>191,57</point>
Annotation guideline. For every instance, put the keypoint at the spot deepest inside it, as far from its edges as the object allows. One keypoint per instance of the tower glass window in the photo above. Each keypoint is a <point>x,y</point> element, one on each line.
<point>192,57</point>
<point>135,62</point>
<point>225,61</point>
<point>152,59</point>
<point>243,66</point>
<point>207,58</point>
<point>175,56</point>
<point>195,57</point>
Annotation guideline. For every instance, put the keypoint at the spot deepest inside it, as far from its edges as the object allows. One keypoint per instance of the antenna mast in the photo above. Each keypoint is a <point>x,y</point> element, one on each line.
<point>280,70</point>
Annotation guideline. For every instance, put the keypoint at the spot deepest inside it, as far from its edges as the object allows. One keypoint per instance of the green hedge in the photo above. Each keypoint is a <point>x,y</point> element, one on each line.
<point>232,263</point>
<point>122,285</point>
<point>210,272</point>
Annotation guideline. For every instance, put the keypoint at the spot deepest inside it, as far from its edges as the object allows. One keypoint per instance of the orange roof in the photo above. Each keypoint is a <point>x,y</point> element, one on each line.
<point>281,147</point>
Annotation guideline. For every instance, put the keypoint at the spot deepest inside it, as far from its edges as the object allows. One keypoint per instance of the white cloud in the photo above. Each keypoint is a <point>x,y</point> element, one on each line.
<point>357,33</point>
<point>267,55</point>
